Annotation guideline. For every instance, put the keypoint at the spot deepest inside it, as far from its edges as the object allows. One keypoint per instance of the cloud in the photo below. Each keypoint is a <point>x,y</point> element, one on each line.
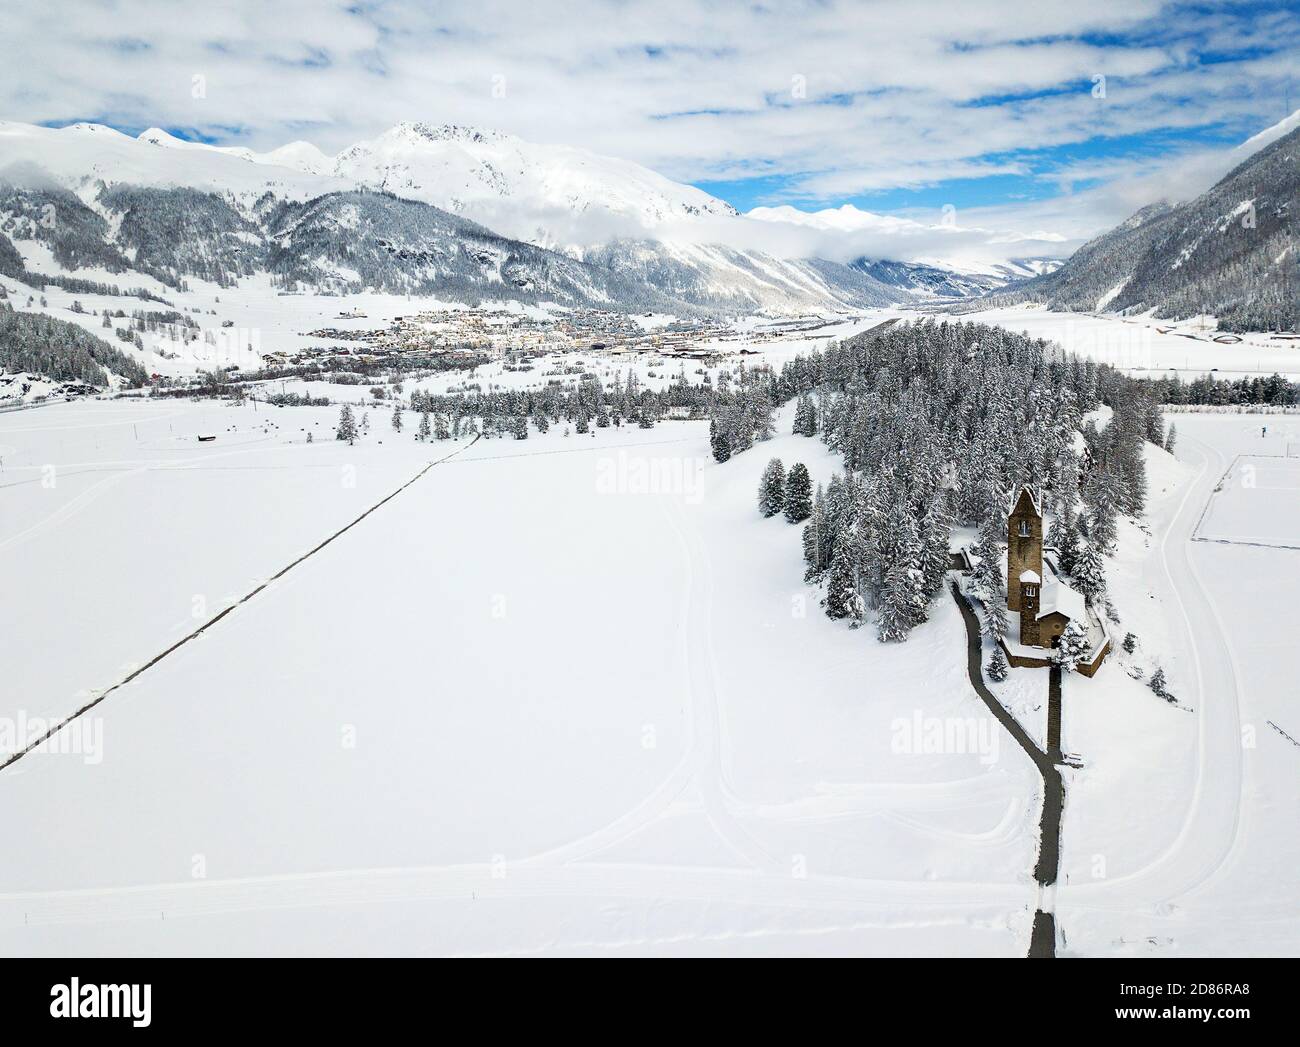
<point>837,99</point>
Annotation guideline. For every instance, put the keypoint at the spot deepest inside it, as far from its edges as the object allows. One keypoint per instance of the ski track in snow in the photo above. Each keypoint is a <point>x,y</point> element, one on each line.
<point>1201,849</point>
<point>1209,832</point>
<point>575,869</point>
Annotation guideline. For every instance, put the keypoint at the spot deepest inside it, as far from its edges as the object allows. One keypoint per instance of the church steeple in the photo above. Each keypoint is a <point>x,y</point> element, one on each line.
<point>1024,544</point>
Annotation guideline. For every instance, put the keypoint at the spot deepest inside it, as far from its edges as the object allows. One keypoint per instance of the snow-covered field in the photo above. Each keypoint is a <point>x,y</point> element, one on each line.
<point>565,695</point>
<point>570,695</point>
<point>1179,835</point>
<point>1145,347</point>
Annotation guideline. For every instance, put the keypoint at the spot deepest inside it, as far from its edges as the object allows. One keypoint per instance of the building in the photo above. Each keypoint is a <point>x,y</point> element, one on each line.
<point>1044,603</point>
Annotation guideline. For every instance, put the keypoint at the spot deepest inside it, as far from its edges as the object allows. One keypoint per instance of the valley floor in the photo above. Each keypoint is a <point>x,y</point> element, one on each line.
<point>569,695</point>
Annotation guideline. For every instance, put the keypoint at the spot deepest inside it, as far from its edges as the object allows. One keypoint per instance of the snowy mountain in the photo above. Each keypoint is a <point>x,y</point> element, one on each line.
<point>1230,252</point>
<point>504,180</point>
<point>952,281</point>
<point>176,210</point>
<point>83,157</point>
<point>677,243</point>
<point>961,271</point>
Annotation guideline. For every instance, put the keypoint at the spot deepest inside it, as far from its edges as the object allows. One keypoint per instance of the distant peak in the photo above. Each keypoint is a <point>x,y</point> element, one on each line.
<point>419,130</point>
<point>157,136</point>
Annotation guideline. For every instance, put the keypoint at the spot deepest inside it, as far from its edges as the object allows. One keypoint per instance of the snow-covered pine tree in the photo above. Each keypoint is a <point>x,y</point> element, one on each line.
<point>994,617</point>
<point>798,494</point>
<point>902,602</point>
<point>842,597</point>
<point>347,429</point>
<point>425,430</point>
<point>1067,547</point>
<point>1089,575</point>
<point>813,538</point>
<point>719,441</point>
<point>805,417</point>
<point>441,430</point>
<point>936,534</point>
<point>1171,438</point>
<point>1073,647</point>
<point>771,488</point>
<point>987,575</point>
<point>1160,685</point>
<point>397,418</point>
<point>997,668</point>
<point>1102,522</point>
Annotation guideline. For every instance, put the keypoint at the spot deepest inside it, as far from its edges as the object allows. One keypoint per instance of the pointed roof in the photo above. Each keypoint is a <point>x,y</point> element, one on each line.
<point>1027,502</point>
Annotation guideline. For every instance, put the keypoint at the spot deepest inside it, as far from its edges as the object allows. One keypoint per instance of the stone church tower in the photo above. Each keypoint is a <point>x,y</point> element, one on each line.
<point>1024,545</point>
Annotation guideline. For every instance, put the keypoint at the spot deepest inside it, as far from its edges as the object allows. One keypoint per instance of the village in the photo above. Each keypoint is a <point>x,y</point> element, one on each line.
<point>500,333</point>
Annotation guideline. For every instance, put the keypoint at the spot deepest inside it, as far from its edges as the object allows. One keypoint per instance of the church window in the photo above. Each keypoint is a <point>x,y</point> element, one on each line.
<point>1024,528</point>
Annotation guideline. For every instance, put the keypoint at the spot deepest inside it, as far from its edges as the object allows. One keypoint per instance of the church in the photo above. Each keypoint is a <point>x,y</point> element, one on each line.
<point>1041,600</point>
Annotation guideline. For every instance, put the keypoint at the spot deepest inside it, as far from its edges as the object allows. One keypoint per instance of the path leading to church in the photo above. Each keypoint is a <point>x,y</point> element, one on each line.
<point>1043,938</point>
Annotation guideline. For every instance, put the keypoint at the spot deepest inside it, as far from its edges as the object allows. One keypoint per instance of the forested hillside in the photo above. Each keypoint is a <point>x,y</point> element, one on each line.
<point>60,350</point>
<point>939,424</point>
<point>1231,253</point>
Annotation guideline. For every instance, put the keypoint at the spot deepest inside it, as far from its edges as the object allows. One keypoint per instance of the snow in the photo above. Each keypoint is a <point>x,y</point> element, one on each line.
<point>1057,596</point>
<point>474,172</point>
<point>80,155</point>
<point>1030,576</point>
<point>1145,347</point>
<point>1179,830</point>
<point>534,706</point>
<point>474,723</point>
<point>1257,501</point>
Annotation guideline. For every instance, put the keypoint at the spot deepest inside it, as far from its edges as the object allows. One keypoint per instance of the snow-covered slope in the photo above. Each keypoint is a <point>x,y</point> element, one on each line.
<point>1230,252</point>
<point>80,156</point>
<point>485,174</point>
<point>174,209</point>
<point>960,271</point>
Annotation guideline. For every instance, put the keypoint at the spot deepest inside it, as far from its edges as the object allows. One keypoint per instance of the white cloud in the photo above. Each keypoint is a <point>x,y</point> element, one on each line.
<point>836,98</point>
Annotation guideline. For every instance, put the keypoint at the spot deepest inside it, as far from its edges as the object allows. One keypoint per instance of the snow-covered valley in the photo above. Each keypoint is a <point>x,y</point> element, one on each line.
<point>571,696</point>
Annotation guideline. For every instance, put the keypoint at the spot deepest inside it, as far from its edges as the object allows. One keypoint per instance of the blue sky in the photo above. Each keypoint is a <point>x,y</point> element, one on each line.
<point>891,106</point>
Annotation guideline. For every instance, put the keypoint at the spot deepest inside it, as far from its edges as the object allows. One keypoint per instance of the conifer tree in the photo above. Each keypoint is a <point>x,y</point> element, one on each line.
<point>1067,544</point>
<point>798,494</point>
<point>994,617</point>
<point>842,597</point>
<point>347,429</point>
<point>936,535</point>
<point>771,488</point>
<point>987,575</point>
<point>1089,574</point>
<point>1073,647</point>
<point>719,441</point>
<point>425,430</point>
<point>813,537</point>
<point>902,602</point>
<point>397,418</point>
<point>997,668</point>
